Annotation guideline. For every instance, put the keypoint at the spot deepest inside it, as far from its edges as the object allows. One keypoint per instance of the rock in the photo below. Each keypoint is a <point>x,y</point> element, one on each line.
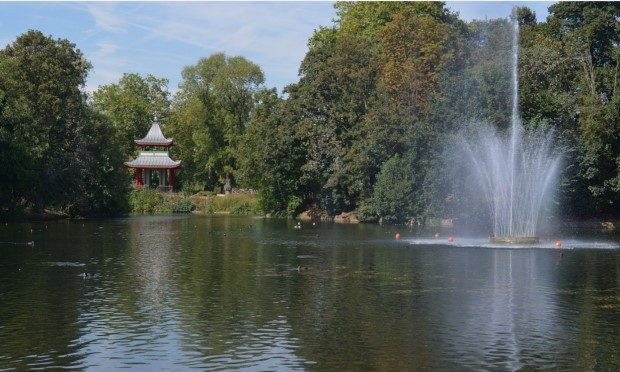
<point>413,222</point>
<point>608,225</point>
<point>314,213</point>
<point>347,217</point>
<point>305,216</point>
<point>447,222</point>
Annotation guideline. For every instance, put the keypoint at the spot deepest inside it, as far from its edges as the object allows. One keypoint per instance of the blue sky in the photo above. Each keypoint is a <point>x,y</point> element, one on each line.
<point>161,38</point>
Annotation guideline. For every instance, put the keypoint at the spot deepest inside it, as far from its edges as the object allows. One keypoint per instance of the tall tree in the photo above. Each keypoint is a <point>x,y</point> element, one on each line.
<point>50,75</point>
<point>209,116</point>
<point>49,137</point>
<point>271,155</point>
<point>132,104</point>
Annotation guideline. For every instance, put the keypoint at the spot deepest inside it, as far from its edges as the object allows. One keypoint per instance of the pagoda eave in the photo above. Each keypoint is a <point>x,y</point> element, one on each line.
<point>139,166</point>
<point>147,143</point>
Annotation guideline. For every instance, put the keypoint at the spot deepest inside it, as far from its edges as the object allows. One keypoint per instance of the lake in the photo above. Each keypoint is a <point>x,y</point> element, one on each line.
<point>186,291</point>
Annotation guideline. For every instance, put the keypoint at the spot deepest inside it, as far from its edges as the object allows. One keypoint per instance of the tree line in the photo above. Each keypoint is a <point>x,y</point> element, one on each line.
<point>370,125</point>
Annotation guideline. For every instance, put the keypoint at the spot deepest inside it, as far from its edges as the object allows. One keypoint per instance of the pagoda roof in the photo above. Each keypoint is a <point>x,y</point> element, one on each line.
<point>154,137</point>
<point>153,159</point>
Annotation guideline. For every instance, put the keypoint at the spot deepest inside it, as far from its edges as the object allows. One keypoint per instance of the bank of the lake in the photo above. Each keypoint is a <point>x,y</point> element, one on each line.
<point>152,202</point>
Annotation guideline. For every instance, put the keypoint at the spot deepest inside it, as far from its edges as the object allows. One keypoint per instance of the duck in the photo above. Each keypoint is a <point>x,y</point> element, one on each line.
<point>302,268</point>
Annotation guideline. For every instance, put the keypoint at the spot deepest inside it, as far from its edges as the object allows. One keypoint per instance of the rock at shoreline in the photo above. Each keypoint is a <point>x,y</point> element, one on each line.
<point>347,217</point>
<point>608,225</point>
<point>314,214</point>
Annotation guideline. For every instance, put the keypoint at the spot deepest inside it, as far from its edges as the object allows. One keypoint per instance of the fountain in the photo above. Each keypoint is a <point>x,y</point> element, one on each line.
<point>515,172</point>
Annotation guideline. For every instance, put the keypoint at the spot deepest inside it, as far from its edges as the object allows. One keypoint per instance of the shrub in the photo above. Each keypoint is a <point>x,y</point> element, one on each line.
<point>145,201</point>
<point>392,197</point>
<point>294,206</point>
<point>184,205</point>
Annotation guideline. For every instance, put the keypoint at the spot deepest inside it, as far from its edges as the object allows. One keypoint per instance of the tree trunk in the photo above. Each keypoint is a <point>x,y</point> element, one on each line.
<point>228,184</point>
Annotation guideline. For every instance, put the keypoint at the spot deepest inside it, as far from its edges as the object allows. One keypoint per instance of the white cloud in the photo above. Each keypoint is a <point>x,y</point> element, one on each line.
<point>106,17</point>
<point>273,35</point>
<point>107,48</point>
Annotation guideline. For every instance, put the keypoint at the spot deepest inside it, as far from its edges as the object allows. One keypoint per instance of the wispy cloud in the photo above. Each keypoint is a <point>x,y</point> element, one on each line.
<point>274,35</point>
<point>106,16</point>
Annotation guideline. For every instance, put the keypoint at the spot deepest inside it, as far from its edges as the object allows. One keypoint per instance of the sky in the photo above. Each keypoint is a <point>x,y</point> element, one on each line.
<point>163,37</point>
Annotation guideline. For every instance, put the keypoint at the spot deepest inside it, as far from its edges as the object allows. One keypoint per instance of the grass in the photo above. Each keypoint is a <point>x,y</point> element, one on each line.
<point>239,204</point>
<point>150,201</point>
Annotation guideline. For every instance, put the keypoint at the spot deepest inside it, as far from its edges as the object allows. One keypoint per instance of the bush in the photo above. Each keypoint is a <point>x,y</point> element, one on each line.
<point>234,204</point>
<point>184,205</point>
<point>146,201</point>
<point>294,206</point>
<point>392,197</point>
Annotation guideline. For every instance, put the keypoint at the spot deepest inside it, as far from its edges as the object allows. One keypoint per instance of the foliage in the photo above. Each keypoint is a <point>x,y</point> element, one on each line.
<point>183,205</point>
<point>59,153</point>
<point>146,201</point>
<point>131,105</point>
<point>209,117</point>
<point>370,125</point>
<point>238,204</point>
<point>270,155</point>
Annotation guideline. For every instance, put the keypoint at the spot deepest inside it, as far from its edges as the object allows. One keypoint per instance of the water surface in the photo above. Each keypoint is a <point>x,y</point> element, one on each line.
<point>238,292</point>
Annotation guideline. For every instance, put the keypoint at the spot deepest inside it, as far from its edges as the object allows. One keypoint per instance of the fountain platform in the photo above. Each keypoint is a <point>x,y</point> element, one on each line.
<point>514,239</point>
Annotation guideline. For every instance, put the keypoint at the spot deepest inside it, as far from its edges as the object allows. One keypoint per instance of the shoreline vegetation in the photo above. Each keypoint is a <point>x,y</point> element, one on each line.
<point>242,203</point>
<point>370,132</point>
<point>149,201</point>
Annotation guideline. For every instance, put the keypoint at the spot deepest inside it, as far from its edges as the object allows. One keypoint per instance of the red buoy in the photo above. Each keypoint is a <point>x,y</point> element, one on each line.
<point>436,235</point>
<point>397,235</point>
<point>450,238</point>
<point>558,244</point>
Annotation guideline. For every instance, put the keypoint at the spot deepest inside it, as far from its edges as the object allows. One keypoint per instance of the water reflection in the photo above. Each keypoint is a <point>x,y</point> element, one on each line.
<point>192,291</point>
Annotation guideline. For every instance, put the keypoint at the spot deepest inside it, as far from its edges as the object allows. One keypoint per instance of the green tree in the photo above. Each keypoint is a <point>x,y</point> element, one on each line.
<point>131,104</point>
<point>49,101</point>
<point>270,155</point>
<point>58,154</point>
<point>210,114</point>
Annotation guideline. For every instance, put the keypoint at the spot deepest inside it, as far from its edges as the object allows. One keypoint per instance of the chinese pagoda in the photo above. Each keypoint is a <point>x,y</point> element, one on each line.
<point>153,167</point>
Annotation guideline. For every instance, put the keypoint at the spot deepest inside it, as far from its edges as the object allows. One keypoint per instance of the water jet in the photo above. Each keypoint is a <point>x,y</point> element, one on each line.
<point>515,171</point>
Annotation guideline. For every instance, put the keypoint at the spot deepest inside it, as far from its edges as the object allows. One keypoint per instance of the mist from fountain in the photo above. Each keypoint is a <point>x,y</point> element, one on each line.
<point>516,171</point>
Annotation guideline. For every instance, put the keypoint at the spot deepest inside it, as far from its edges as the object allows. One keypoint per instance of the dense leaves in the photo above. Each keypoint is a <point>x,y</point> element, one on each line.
<point>372,123</point>
<point>131,105</point>
<point>383,92</point>
<point>56,152</point>
<point>209,116</point>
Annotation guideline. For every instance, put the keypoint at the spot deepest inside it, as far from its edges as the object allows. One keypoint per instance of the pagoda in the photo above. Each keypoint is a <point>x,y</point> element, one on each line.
<point>153,167</point>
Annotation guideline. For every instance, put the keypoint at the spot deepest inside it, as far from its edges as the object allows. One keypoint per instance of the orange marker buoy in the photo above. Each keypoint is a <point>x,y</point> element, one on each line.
<point>558,244</point>
<point>436,235</point>
<point>397,235</point>
<point>450,238</point>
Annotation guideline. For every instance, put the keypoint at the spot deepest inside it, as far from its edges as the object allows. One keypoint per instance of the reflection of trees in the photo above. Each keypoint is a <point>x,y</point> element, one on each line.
<point>240,296</point>
<point>589,279</point>
<point>228,312</point>
<point>42,295</point>
<point>214,291</point>
<point>128,314</point>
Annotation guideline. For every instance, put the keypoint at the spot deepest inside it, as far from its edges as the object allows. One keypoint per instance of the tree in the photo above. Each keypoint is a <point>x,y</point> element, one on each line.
<point>131,105</point>
<point>590,35</point>
<point>209,116</point>
<point>55,151</point>
<point>50,74</point>
<point>415,49</point>
<point>270,155</point>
